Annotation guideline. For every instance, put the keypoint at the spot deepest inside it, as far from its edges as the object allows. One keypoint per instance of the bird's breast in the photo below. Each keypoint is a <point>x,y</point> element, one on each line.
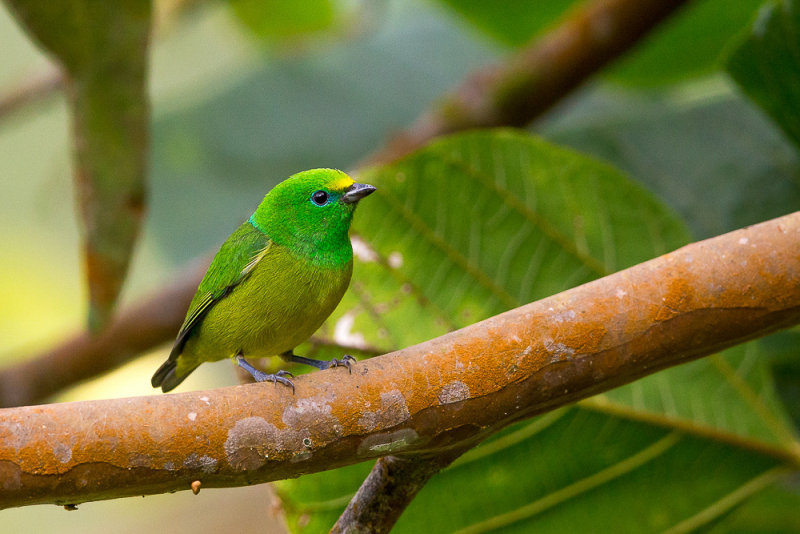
<point>283,301</point>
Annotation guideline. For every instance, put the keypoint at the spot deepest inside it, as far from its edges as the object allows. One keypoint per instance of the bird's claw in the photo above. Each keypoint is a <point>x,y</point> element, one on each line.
<point>280,376</point>
<point>345,361</point>
<point>261,376</point>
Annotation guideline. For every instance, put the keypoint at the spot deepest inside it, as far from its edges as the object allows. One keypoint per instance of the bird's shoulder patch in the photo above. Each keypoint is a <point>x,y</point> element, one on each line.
<point>257,257</point>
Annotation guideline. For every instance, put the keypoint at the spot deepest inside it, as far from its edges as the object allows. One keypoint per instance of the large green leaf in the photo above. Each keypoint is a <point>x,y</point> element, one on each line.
<point>767,64</point>
<point>479,222</point>
<point>486,222</point>
<point>586,472</point>
<point>782,350</point>
<point>704,150</point>
<point>732,393</point>
<point>772,510</point>
<point>103,50</point>
<point>572,470</point>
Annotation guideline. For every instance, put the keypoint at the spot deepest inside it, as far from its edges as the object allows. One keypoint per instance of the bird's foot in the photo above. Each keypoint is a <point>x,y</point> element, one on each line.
<point>344,361</point>
<point>280,376</point>
<point>261,376</point>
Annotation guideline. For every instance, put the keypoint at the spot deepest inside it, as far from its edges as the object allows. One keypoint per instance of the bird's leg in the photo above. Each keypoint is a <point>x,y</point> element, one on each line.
<point>261,376</point>
<point>344,361</point>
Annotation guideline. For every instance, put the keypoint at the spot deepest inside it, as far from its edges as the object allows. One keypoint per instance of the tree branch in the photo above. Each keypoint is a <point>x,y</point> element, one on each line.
<point>137,329</point>
<point>428,399</point>
<point>388,490</point>
<point>517,91</point>
<point>550,68</point>
<point>34,88</point>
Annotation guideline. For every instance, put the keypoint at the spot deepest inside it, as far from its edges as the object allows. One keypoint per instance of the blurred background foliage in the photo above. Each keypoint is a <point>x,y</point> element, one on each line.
<point>246,92</point>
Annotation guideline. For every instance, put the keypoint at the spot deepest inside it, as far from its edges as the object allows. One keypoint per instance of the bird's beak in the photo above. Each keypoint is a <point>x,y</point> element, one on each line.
<point>356,192</point>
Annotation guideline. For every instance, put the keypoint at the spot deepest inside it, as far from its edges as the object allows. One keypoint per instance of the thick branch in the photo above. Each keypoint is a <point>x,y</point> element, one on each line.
<point>427,399</point>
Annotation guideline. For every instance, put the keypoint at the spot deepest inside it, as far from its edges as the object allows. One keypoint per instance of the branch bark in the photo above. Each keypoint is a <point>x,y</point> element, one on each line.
<point>541,74</point>
<point>428,399</point>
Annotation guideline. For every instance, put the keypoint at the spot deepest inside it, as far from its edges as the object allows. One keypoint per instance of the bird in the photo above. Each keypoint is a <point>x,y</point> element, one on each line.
<point>274,281</point>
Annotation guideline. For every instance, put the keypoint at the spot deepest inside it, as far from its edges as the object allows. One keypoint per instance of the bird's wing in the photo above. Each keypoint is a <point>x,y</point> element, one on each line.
<point>237,257</point>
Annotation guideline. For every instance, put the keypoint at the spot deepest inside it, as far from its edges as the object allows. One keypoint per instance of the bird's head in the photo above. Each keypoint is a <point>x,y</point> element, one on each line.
<point>311,210</point>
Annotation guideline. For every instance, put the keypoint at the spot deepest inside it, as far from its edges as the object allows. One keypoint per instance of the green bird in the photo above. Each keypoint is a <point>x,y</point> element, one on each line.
<point>274,281</point>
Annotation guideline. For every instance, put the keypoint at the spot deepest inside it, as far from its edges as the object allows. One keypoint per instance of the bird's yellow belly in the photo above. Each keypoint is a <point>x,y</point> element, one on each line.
<point>280,305</point>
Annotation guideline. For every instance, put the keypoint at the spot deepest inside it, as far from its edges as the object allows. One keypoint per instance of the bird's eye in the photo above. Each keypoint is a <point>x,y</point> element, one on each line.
<point>320,198</point>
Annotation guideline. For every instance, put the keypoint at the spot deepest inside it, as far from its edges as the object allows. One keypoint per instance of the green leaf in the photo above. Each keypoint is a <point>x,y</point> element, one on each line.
<point>484,222</point>
<point>103,50</point>
<point>273,20</point>
<point>704,150</point>
<point>480,223</point>
<point>732,393</point>
<point>771,511</point>
<point>586,472</point>
<point>783,350</point>
<point>767,65</point>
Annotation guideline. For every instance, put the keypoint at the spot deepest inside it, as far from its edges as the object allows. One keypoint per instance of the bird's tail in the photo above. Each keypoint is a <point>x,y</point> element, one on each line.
<point>166,378</point>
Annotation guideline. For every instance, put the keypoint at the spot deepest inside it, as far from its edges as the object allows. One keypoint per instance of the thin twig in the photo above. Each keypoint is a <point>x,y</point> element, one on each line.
<point>137,329</point>
<point>32,89</point>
